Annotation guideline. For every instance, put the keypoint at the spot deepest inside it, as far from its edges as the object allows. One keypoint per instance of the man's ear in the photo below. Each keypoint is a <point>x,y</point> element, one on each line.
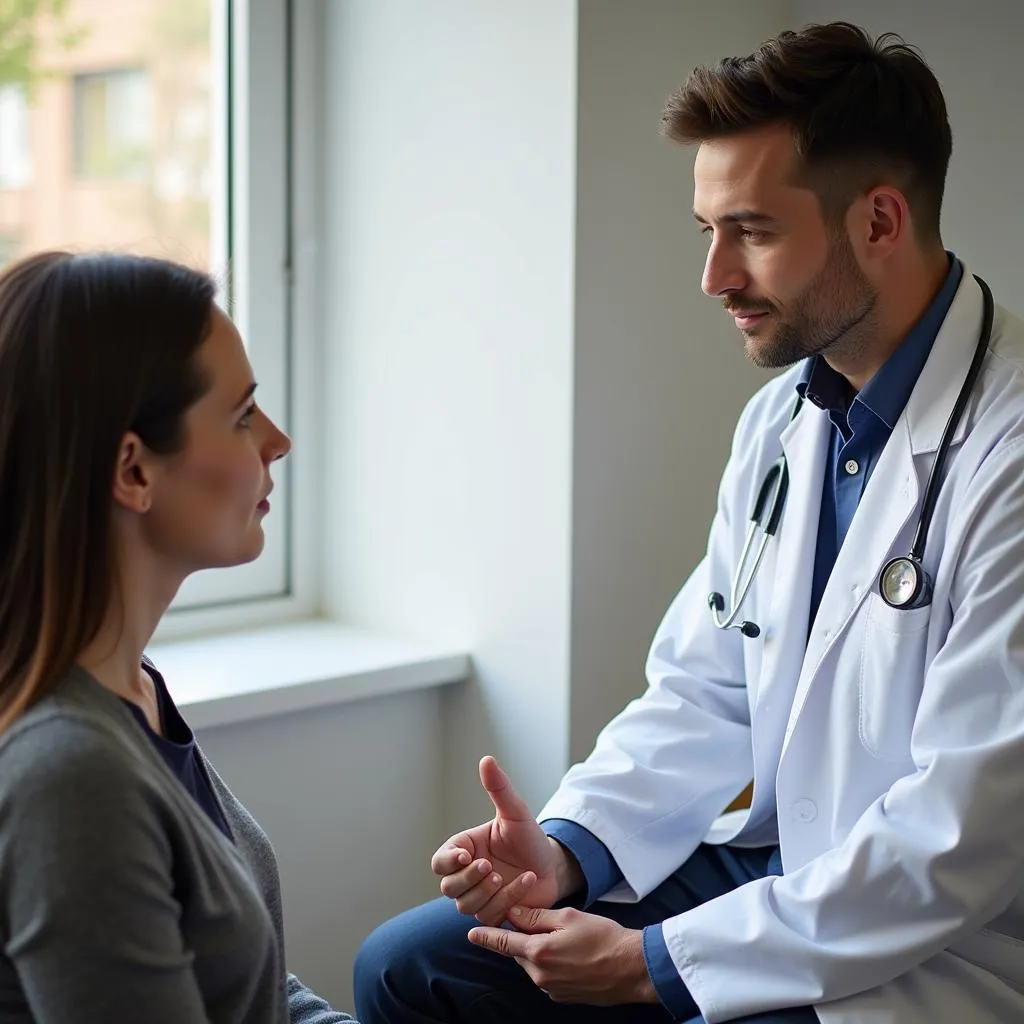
<point>889,219</point>
<point>134,475</point>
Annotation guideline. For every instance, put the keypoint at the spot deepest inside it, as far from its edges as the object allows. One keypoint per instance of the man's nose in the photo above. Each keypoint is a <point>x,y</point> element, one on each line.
<point>723,271</point>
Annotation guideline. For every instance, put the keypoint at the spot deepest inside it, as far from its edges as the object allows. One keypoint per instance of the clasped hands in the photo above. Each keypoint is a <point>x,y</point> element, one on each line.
<point>508,870</point>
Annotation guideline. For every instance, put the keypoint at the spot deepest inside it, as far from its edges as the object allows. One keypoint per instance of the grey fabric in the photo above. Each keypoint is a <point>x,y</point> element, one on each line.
<point>120,901</point>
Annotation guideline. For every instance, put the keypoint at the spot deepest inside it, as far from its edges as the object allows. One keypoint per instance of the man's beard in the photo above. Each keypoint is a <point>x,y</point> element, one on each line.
<point>837,307</point>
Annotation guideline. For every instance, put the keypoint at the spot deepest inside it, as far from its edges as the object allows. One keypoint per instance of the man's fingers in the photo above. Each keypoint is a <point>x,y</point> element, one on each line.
<point>455,885</point>
<point>453,855</point>
<point>481,894</point>
<point>537,920</point>
<point>507,802</point>
<point>496,909</point>
<point>501,940</point>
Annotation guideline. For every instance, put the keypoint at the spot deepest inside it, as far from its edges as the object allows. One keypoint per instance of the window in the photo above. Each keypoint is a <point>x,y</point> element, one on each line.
<point>113,125</point>
<point>162,127</point>
<point>15,159</point>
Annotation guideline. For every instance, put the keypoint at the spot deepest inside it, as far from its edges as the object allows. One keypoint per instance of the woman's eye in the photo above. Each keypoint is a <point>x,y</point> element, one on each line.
<point>247,416</point>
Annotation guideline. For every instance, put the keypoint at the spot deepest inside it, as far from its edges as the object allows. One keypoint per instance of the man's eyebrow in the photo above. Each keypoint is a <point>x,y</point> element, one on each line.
<point>248,394</point>
<point>740,217</point>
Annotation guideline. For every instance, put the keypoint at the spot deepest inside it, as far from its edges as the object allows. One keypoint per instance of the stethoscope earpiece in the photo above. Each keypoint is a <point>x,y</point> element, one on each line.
<point>717,604</point>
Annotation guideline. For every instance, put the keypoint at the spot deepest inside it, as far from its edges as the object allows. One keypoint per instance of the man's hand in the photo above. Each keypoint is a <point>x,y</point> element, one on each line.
<point>574,957</point>
<point>506,861</point>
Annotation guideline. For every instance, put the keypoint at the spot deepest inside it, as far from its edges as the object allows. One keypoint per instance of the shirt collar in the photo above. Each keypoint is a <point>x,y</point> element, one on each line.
<point>887,392</point>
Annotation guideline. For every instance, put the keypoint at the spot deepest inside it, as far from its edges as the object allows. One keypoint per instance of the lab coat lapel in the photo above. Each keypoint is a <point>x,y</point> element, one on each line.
<point>805,443</point>
<point>944,373</point>
<point>888,503</point>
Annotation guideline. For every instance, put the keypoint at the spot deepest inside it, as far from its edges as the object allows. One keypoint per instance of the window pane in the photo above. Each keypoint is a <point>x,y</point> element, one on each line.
<point>108,116</point>
<point>15,158</point>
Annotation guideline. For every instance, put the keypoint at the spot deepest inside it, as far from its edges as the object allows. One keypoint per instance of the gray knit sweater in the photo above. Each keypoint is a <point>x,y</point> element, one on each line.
<point>120,901</point>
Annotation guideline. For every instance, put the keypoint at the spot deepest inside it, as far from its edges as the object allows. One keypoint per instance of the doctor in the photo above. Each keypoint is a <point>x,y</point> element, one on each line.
<point>878,875</point>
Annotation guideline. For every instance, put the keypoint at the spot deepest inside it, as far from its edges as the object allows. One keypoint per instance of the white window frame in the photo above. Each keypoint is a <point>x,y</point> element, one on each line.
<point>271,109</point>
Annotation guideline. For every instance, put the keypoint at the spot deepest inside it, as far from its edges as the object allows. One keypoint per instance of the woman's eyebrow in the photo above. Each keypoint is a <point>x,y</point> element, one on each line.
<point>245,397</point>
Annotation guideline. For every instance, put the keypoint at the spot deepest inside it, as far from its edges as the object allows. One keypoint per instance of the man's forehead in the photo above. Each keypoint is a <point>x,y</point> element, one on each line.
<point>766,154</point>
<point>749,176</point>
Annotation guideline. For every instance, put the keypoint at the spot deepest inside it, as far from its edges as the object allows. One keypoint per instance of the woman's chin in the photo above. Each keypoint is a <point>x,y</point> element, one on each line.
<point>255,544</point>
<point>250,548</point>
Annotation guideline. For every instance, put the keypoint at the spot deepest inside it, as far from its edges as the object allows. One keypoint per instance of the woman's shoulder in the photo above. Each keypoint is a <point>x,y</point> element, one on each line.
<point>72,789</point>
<point>72,740</point>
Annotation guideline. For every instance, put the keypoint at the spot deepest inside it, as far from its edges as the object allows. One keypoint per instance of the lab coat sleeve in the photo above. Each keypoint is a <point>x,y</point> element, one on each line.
<point>667,765</point>
<point>940,854</point>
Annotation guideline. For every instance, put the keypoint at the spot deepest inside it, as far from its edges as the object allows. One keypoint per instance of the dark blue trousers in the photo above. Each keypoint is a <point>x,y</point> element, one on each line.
<point>419,967</point>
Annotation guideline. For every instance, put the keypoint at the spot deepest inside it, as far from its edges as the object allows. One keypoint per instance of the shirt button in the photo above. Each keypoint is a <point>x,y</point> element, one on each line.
<point>852,466</point>
<point>805,810</point>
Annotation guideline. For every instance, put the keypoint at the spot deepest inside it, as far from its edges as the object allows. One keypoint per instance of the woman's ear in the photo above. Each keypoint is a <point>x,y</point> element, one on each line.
<point>134,475</point>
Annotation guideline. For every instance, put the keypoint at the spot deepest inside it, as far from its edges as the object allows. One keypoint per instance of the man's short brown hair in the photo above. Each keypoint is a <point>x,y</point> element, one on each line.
<point>862,111</point>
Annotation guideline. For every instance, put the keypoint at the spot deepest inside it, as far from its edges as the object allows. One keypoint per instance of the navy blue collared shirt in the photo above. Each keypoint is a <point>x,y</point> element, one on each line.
<point>861,426</point>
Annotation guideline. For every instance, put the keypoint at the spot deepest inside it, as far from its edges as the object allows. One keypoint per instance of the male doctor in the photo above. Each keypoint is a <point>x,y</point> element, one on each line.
<point>878,876</point>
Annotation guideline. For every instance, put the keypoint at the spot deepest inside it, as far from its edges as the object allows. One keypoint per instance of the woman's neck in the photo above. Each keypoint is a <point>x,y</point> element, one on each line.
<point>114,655</point>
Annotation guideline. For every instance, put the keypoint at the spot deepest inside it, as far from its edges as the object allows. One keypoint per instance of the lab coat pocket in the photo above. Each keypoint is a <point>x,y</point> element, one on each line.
<point>891,676</point>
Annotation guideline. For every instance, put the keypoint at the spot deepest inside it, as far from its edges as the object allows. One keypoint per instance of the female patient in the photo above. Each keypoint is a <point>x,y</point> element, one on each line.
<point>133,885</point>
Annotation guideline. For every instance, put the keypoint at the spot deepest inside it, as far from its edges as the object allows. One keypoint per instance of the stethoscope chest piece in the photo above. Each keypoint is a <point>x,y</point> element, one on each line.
<point>903,583</point>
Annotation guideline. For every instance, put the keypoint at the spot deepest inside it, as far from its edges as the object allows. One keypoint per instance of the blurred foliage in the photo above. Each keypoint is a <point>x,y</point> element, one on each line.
<point>22,24</point>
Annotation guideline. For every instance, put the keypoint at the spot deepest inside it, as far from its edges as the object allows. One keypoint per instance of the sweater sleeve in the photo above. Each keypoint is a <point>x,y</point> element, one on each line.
<point>305,1007</point>
<point>88,914</point>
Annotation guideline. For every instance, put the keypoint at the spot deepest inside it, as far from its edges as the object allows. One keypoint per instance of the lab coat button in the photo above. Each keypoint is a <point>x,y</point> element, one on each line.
<point>805,810</point>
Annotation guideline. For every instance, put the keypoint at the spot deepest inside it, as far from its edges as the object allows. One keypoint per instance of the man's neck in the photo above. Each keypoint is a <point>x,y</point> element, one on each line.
<point>906,295</point>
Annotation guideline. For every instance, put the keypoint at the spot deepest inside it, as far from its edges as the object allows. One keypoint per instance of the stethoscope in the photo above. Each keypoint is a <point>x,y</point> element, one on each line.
<point>903,581</point>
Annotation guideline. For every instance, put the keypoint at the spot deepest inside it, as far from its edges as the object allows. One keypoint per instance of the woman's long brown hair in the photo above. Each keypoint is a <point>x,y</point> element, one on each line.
<point>91,347</point>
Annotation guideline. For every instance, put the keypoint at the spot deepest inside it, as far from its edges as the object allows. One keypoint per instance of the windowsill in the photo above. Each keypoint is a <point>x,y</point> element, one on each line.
<point>237,677</point>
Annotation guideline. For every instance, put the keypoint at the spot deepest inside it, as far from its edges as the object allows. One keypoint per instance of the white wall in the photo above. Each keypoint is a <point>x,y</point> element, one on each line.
<point>449,214</point>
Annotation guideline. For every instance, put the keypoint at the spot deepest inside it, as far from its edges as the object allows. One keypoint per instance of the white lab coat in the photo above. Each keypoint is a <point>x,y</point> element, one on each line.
<point>890,742</point>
